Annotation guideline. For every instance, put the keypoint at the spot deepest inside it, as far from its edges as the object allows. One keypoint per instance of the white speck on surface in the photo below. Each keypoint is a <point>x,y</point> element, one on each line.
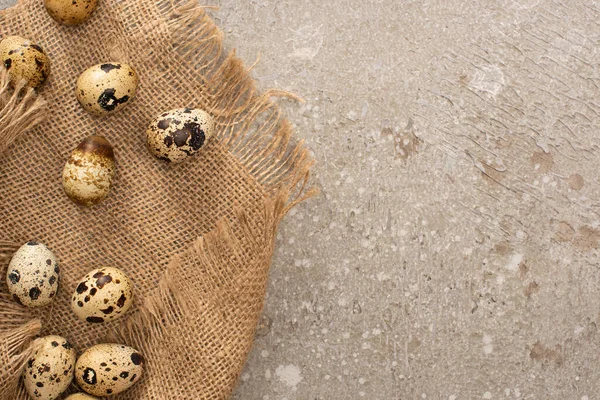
<point>245,376</point>
<point>487,395</point>
<point>514,262</point>
<point>290,375</point>
<point>488,79</point>
<point>488,348</point>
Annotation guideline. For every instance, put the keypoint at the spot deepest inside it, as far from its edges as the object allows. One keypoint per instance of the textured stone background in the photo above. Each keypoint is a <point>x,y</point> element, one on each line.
<point>453,252</point>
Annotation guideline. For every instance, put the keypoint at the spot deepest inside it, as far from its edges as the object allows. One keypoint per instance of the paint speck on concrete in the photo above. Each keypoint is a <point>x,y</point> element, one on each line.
<point>513,263</point>
<point>290,375</point>
<point>488,347</point>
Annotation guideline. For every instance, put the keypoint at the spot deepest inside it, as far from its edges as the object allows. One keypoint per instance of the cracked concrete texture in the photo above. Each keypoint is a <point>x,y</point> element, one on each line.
<point>453,252</point>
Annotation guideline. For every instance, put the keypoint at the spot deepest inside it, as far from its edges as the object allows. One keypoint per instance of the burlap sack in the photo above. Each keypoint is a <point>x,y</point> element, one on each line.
<point>195,238</point>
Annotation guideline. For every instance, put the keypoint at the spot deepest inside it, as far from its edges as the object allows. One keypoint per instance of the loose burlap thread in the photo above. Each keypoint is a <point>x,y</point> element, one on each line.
<point>196,238</point>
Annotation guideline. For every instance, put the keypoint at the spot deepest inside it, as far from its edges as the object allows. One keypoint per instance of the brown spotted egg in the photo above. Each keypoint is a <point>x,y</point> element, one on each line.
<point>88,173</point>
<point>24,60</point>
<point>50,369</point>
<point>108,369</point>
<point>177,134</point>
<point>70,12</point>
<point>106,88</point>
<point>81,396</point>
<point>105,294</point>
<point>33,275</point>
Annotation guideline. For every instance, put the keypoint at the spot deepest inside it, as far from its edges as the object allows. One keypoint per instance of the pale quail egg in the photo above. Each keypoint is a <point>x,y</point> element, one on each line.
<point>106,88</point>
<point>49,371</point>
<point>105,294</point>
<point>24,60</point>
<point>177,134</point>
<point>88,173</point>
<point>81,396</point>
<point>70,12</point>
<point>108,369</point>
<point>33,275</point>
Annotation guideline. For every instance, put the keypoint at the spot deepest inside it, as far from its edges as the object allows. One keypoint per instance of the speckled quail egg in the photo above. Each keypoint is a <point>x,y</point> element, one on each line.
<point>70,12</point>
<point>88,173</point>
<point>50,369</point>
<point>106,88</point>
<point>24,60</point>
<point>177,134</point>
<point>81,396</point>
<point>33,275</point>
<point>108,369</point>
<point>105,294</point>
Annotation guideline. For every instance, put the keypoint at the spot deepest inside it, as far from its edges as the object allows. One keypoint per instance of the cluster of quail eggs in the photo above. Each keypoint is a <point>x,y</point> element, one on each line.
<point>102,90</point>
<point>102,295</point>
<point>106,293</point>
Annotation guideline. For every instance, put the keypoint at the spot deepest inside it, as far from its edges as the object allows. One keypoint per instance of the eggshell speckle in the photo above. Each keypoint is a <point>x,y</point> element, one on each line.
<point>49,370</point>
<point>105,294</point>
<point>70,12</point>
<point>33,275</point>
<point>177,134</point>
<point>24,60</point>
<point>108,369</point>
<point>106,88</point>
<point>88,173</point>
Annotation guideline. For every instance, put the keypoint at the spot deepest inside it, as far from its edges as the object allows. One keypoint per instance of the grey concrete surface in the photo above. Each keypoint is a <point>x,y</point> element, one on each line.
<point>453,252</point>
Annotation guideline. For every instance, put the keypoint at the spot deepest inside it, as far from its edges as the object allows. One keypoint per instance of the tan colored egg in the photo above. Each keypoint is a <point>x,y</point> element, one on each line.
<point>104,294</point>
<point>108,369</point>
<point>33,275</point>
<point>50,369</point>
<point>70,12</point>
<point>177,134</point>
<point>88,173</point>
<point>24,60</point>
<point>106,88</point>
<point>81,396</point>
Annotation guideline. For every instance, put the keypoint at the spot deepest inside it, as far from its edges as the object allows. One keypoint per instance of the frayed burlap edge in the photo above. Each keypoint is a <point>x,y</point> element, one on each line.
<point>14,352</point>
<point>267,151</point>
<point>20,110</point>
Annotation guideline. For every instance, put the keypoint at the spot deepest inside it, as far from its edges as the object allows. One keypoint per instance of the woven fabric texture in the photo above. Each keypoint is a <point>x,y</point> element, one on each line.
<point>196,238</point>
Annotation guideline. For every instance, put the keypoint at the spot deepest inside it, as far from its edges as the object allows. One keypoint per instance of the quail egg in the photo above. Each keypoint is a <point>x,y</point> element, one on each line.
<point>108,369</point>
<point>33,275</point>
<point>88,173</point>
<point>177,134</point>
<point>49,371</point>
<point>70,12</point>
<point>105,294</point>
<point>106,88</point>
<point>24,60</point>
<point>81,396</point>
